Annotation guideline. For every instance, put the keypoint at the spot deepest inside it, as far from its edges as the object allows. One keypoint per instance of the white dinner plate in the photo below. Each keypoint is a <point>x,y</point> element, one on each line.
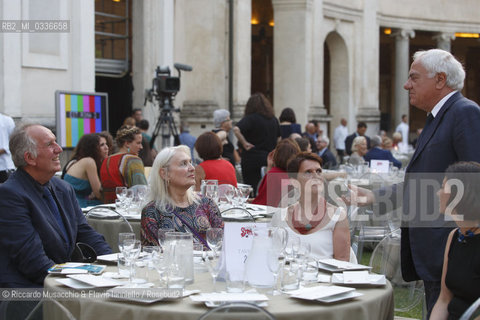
<point>373,280</point>
<point>341,297</point>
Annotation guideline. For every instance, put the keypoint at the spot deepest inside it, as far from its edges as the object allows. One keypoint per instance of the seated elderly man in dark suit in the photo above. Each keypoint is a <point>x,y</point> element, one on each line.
<point>40,219</point>
<point>328,158</point>
<point>377,153</point>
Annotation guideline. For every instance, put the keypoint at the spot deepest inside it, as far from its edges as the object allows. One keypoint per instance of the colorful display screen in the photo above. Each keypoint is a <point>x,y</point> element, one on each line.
<point>79,113</point>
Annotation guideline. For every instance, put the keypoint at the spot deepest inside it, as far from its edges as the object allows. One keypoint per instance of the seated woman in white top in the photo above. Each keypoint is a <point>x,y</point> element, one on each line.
<point>311,218</point>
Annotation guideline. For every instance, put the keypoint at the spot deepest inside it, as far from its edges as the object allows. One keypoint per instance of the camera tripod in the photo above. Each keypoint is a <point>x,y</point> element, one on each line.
<point>166,125</point>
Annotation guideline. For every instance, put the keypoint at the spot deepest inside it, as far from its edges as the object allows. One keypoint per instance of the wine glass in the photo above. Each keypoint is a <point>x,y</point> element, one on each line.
<point>230,194</point>
<point>142,192</point>
<point>162,235</point>
<point>131,250</point>
<point>121,193</point>
<point>124,236</point>
<point>160,264</point>
<point>211,191</point>
<point>214,265</point>
<point>129,196</point>
<point>214,239</point>
<point>243,192</point>
<point>292,247</point>
<point>273,263</point>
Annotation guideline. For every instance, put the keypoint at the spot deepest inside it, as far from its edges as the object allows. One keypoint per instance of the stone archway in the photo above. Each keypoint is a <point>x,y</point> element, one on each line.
<point>336,82</point>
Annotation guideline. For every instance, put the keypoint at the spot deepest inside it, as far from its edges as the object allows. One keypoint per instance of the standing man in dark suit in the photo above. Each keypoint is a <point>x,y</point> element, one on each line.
<point>40,219</point>
<point>451,134</point>
<point>361,129</point>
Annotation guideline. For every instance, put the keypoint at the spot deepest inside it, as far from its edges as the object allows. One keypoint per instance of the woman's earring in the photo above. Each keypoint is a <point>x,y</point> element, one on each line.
<point>128,150</point>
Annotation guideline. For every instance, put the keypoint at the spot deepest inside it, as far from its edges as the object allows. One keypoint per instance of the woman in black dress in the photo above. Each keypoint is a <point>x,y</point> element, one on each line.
<point>258,133</point>
<point>459,198</point>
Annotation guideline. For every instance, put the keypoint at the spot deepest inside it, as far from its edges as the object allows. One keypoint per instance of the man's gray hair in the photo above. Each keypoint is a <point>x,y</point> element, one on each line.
<point>440,61</point>
<point>375,141</point>
<point>21,142</point>
<point>325,139</point>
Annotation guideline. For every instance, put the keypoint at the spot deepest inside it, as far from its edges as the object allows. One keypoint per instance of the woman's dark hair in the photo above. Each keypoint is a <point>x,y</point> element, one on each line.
<point>209,146</point>
<point>286,149</point>
<point>108,137</point>
<point>468,173</point>
<point>294,164</point>
<point>126,134</point>
<point>258,103</point>
<point>87,146</point>
<point>288,115</point>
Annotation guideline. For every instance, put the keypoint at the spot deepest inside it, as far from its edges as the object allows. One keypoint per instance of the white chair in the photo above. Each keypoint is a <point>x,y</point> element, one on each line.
<point>51,306</point>
<point>92,211</point>
<point>473,312</point>
<point>237,311</point>
<point>385,260</point>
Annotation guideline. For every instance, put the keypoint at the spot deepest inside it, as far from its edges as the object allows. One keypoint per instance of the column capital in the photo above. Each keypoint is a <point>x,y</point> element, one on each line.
<point>403,34</point>
<point>286,5</point>
<point>444,36</point>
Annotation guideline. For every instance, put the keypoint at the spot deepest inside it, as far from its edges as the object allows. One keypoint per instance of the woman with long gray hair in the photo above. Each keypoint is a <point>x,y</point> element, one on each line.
<point>173,204</point>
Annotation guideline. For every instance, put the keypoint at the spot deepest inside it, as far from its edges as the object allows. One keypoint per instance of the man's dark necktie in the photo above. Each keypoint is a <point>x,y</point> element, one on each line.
<point>429,121</point>
<point>54,209</point>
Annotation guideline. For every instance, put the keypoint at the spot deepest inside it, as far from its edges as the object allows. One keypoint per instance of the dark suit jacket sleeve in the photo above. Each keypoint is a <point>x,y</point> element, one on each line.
<point>396,163</point>
<point>467,130</point>
<point>20,240</point>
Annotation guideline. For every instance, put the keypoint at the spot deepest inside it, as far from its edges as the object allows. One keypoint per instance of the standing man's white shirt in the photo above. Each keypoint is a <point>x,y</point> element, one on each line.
<point>6,128</point>
<point>339,136</point>
<point>403,129</point>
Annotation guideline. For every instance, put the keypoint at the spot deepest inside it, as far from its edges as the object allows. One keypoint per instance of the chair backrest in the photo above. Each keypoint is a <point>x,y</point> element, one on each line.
<point>473,312</point>
<point>385,259</point>
<point>121,216</point>
<point>52,308</point>
<point>238,311</point>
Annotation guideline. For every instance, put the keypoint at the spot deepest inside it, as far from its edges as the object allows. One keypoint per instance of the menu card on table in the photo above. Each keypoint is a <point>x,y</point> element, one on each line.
<point>238,238</point>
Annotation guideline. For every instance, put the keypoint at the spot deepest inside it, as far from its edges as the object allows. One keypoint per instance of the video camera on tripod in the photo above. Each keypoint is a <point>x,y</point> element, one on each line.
<point>164,89</point>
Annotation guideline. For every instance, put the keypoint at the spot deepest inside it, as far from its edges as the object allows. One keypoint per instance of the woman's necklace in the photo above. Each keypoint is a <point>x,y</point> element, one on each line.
<point>304,228</point>
<point>468,234</point>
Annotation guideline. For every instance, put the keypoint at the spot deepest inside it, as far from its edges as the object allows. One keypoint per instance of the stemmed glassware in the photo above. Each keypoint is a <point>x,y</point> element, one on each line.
<point>292,248</point>
<point>214,266</point>
<point>231,194</point>
<point>243,192</point>
<point>129,197</point>
<point>274,262</point>
<point>142,192</point>
<point>215,239</point>
<point>131,250</point>
<point>162,235</point>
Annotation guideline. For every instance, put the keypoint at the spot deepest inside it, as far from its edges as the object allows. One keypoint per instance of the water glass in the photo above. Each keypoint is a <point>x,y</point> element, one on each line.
<point>123,266</point>
<point>290,276</point>
<point>204,187</point>
<point>150,253</point>
<point>131,250</point>
<point>235,283</point>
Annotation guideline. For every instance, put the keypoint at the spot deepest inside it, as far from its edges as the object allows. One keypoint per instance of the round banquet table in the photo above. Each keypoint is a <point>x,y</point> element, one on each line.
<point>376,303</point>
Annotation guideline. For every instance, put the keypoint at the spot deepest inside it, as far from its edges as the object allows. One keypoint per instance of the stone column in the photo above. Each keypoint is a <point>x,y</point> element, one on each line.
<point>152,44</point>
<point>11,62</point>
<point>444,40</point>
<point>242,57</point>
<point>368,110</point>
<point>292,66</point>
<point>402,59</point>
